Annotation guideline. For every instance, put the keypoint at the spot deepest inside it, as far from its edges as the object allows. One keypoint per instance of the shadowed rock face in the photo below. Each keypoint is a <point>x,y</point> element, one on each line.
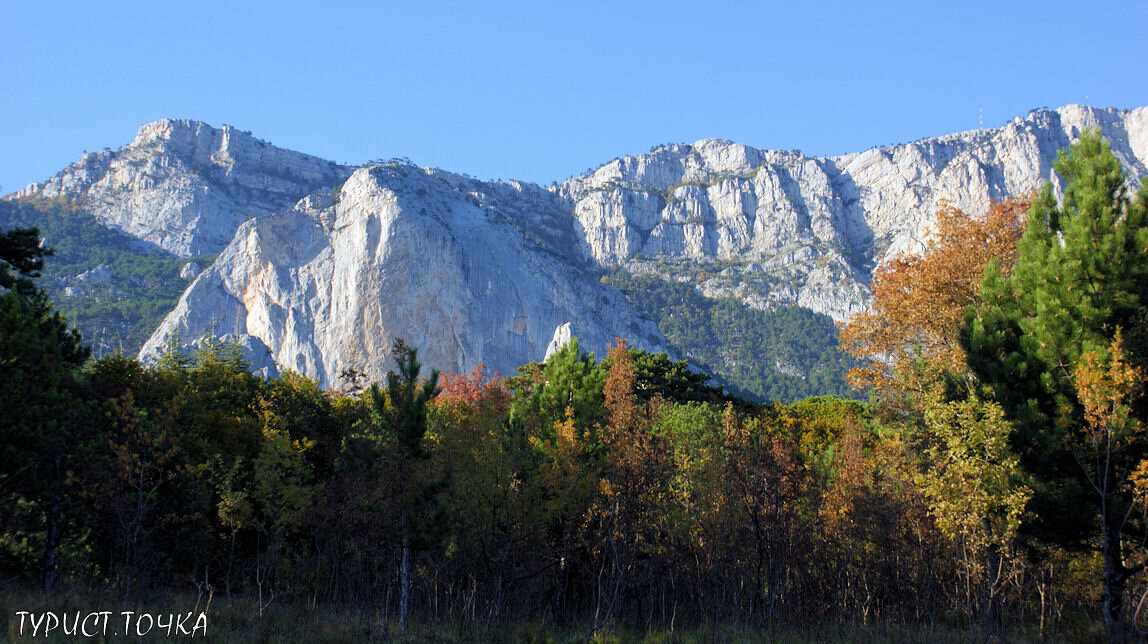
<point>469,272</point>
<point>186,186</point>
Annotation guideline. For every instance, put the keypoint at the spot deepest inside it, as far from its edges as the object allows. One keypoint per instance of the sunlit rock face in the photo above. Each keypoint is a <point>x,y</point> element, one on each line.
<point>776,227</point>
<point>186,186</point>
<point>468,272</point>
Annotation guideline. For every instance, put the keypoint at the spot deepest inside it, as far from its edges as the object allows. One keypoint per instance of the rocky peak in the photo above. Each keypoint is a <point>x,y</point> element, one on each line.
<point>198,143</point>
<point>321,268</point>
<point>186,186</point>
<point>777,227</point>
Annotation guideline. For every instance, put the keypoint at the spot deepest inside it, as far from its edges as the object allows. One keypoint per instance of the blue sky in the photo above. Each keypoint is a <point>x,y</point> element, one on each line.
<point>541,91</point>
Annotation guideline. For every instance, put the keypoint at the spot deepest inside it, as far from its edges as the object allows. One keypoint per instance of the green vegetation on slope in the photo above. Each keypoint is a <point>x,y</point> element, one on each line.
<point>117,313</point>
<point>785,354</point>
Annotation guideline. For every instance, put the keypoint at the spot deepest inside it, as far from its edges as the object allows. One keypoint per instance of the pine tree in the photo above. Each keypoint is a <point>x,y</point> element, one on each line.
<point>43,415</point>
<point>401,413</point>
<point>1081,276</point>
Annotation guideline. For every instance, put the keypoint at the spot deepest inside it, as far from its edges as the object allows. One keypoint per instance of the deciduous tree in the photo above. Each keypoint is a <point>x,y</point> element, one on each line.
<point>909,338</point>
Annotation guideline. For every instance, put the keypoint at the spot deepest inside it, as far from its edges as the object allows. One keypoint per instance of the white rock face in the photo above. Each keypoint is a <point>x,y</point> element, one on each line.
<point>186,186</point>
<point>468,272</point>
<point>100,273</point>
<point>501,273</point>
<point>774,227</point>
<point>189,270</point>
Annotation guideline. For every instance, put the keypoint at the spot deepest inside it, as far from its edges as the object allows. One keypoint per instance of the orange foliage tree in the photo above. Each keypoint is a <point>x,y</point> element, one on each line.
<point>910,334</point>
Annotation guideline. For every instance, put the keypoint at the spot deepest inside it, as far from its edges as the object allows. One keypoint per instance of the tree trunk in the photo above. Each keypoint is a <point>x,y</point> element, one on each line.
<point>404,573</point>
<point>53,537</point>
<point>994,607</point>
<point>52,546</point>
<point>1115,578</point>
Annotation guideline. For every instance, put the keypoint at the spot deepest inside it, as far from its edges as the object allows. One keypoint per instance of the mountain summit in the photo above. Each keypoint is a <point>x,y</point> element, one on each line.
<point>781,227</point>
<point>186,186</point>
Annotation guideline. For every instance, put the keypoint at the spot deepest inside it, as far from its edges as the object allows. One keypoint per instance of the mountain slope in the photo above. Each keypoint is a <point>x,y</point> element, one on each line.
<point>490,272</point>
<point>113,288</point>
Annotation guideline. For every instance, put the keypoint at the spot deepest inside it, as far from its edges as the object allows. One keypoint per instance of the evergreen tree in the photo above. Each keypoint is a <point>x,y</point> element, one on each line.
<point>42,409</point>
<point>401,414</point>
<point>569,379</point>
<point>1081,276</point>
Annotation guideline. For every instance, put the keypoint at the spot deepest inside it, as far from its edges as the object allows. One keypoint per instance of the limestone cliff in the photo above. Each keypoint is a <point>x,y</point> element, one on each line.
<point>320,276</point>
<point>468,272</point>
<point>775,227</point>
<point>186,186</point>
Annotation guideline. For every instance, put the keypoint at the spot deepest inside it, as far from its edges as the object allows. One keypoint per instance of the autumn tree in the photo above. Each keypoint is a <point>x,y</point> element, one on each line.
<point>1040,340</point>
<point>495,502</point>
<point>909,337</point>
<point>634,482</point>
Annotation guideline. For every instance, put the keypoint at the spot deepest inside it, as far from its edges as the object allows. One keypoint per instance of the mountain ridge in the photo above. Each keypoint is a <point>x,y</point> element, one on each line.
<point>514,262</point>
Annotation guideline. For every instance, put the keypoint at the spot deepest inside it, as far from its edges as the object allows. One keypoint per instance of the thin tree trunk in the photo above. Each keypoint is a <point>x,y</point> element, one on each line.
<point>404,573</point>
<point>53,537</point>
<point>52,546</point>
<point>994,568</point>
<point>1115,576</point>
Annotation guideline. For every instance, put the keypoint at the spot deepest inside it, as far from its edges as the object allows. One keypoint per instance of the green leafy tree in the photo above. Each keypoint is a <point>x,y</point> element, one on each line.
<point>20,251</point>
<point>21,262</point>
<point>1081,276</point>
<point>970,480</point>
<point>657,375</point>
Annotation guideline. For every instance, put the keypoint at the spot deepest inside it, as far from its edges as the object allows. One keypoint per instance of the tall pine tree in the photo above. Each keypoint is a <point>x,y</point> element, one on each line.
<point>43,416</point>
<point>401,414</point>
<point>1081,276</point>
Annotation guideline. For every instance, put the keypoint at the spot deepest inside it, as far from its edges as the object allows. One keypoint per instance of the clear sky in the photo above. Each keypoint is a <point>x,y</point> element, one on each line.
<point>543,90</point>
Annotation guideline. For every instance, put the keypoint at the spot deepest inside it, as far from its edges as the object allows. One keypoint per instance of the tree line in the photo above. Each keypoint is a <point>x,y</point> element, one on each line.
<point>994,483</point>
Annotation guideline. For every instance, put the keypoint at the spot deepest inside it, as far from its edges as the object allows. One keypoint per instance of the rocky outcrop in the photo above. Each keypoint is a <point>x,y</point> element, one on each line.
<point>468,272</point>
<point>563,334</point>
<point>186,186</point>
<point>773,227</point>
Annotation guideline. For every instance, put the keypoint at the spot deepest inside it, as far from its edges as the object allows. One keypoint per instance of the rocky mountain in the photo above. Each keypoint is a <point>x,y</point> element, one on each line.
<point>186,186</point>
<point>319,275</point>
<point>775,227</point>
<point>469,272</point>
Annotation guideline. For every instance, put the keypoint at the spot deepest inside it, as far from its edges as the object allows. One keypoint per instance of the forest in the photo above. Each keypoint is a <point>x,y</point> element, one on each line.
<point>993,486</point>
<point>786,354</point>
